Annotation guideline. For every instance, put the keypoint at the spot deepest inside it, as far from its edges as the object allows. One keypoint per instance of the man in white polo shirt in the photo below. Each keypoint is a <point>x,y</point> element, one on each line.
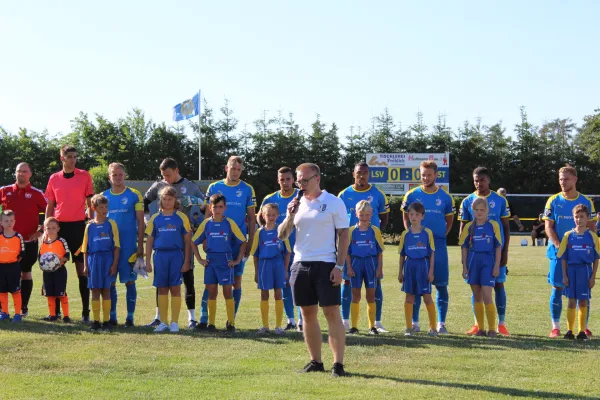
<point>320,219</point>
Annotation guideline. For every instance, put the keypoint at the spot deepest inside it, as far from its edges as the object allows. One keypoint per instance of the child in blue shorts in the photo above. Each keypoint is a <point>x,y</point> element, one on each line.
<point>417,261</point>
<point>219,236</point>
<point>364,264</point>
<point>100,248</point>
<point>271,255</point>
<point>578,253</point>
<point>481,248</point>
<point>169,236</point>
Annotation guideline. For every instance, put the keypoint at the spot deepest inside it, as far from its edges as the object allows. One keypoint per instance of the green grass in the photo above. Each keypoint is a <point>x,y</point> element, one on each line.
<point>52,360</point>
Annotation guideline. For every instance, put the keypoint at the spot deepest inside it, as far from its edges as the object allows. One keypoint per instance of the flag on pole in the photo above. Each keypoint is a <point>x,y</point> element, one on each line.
<point>187,109</point>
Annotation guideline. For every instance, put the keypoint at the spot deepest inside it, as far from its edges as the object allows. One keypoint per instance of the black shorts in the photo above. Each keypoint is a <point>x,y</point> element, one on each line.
<point>73,232</point>
<point>311,284</point>
<point>10,277</point>
<point>30,257</point>
<point>55,283</point>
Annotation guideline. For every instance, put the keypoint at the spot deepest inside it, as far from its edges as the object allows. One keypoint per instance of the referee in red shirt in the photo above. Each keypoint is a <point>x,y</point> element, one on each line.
<point>69,192</point>
<point>26,202</point>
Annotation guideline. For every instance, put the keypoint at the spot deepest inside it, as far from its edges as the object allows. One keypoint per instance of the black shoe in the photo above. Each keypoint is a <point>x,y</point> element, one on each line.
<point>153,324</point>
<point>569,335</point>
<point>202,326</point>
<point>582,336</point>
<point>50,318</point>
<point>299,328</point>
<point>24,312</point>
<point>373,331</point>
<point>313,366</point>
<point>353,331</point>
<point>85,317</point>
<point>289,327</point>
<point>112,322</point>
<point>128,323</point>
<point>337,370</point>
<point>67,320</point>
<point>107,326</point>
<point>229,327</point>
<point>211,328</point>
<point>95,326</point>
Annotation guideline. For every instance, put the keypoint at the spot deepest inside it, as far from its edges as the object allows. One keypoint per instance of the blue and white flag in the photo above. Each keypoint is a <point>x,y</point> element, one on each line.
<point>187,109</point>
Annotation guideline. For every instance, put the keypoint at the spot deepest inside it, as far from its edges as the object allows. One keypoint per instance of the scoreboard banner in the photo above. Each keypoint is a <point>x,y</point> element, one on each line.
<point>397,173</point>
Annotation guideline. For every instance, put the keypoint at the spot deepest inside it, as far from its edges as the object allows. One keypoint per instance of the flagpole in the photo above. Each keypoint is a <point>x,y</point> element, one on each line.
<point>199,136</point>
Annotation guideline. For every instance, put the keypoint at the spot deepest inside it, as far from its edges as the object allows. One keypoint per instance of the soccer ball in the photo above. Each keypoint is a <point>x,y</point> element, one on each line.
<point>49,262</point>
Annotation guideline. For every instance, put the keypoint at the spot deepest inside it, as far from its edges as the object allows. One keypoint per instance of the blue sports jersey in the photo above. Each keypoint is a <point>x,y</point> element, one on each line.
<point>560,210</point>
<point>282,202</point>
<point>239,198</point>
<point>100,237</point>
<point>438,205</point>
<point>266,244</point>
<point>168,230</point>
<point>481,238</point>
<point>416,245</point>
<point>498,209</point>
<point>122,209</point>
<point>221,236</point>
<point>373,195</point>
<point>367,243</point>
<point>578,249</point>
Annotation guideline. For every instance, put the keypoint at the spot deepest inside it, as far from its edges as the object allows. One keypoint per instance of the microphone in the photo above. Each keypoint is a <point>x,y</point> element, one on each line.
<point>297,200</point>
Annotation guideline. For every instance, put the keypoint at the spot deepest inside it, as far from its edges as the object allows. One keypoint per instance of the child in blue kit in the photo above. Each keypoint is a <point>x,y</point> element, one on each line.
<point>271,255</point>
<point>100,248</point>
<point>417,262</point>
<point>364,264</point>
<point>481,244</point>
<point>578,253</point>
<point>219,236</point>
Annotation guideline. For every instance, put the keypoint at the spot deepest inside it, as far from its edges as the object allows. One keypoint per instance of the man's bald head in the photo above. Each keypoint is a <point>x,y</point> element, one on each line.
<point>23,173</point>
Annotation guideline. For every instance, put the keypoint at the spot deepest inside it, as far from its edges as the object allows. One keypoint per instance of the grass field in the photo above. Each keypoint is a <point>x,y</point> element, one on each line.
<point>52,360</point>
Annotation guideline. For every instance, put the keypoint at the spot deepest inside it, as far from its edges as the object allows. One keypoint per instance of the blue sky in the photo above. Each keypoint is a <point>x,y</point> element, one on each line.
<point>346,60</point>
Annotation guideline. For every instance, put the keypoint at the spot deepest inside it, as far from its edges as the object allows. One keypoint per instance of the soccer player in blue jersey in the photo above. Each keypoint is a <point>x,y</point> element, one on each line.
<point>101,249</point>
<point>169,236</point>
<point>364,263</point>
<point>439,217</point>
<point>499,211</point>
<point>578,251</point>
<point>221,236</point>
<point>126,208</point>
<point>362,190</point>
<point>558,216</point>
<point>283,197</point>
<point>416,269</point>
<point>271,257</point>
<point>481,243</point>
<point>241,203</point>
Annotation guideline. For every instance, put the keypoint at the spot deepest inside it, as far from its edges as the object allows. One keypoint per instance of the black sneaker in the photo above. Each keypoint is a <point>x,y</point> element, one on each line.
<point>289,327</point>
<point>313,366</point>
<point>337,370</point>
<point>67,320</point>
<point>353,331</point>
<point>569,335</point>
<point>107,326</point>
<point>50,318</point>
<point>299,328</point>
<point>582,336</point>
<point>229,327</point>
<point>202,326</point>
<point>153,324</point>
<point>373,331</point>
<point>113,322</point>
<point>24,312</point>
<point>128,323</point>
<point>192,324</point>
<point>211,328</point>
<point>95,326</point>
<point>85,317</point>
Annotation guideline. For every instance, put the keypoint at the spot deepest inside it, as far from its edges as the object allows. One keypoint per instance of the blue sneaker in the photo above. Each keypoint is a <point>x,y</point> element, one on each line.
<point>17,319</point>
<point>4,317</point>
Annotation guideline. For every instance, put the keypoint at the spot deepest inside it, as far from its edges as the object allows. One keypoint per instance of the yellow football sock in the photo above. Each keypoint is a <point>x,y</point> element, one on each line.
<point>582,317</point>
<point>408,314</point>
<point>432,315</point>
<point>105,310</point>
<point>163,307</point>
<point>490,312</point>
<point>175,308</point>
<point>212,311</point>
<point>571,312</point>
<point>480,315</point>
<point>264,312</point>
<point>371,309</point>
<point>230,304</point>
<point>354,314</point>
<point>96,309</point>
<point>278,313</point>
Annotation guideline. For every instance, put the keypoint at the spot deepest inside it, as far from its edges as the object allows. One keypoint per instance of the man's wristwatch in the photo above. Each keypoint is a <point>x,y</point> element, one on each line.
<point>340,267</point>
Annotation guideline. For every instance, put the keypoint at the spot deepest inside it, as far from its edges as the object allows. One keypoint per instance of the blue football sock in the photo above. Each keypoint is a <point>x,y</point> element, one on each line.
<point>346,300</point>
<point>113,303</point>
<point>237,296</point>
<point>501,303</point>
<point>204,308</point>
<point>416,309</point>
<point>288,302</point>
<point>378,301</point>
<point>556,304</point>
<point>131,297</point>
<point>442,303</point>
<point>299,316</point>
